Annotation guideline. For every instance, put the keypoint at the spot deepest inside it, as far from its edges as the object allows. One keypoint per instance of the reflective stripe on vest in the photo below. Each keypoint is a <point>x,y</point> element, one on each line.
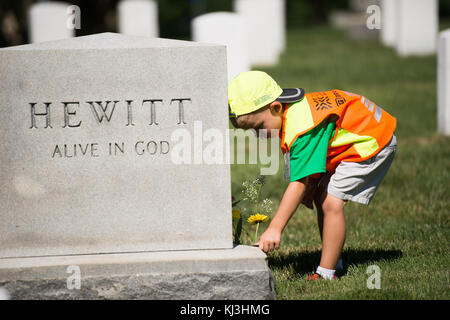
<point>362,127</point>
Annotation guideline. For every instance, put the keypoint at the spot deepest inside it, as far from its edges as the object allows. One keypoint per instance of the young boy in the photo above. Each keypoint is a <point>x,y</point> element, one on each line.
<point>338,146</point>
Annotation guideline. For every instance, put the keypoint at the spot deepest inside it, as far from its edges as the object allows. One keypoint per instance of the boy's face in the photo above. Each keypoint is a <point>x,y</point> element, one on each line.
<point>268,118</point>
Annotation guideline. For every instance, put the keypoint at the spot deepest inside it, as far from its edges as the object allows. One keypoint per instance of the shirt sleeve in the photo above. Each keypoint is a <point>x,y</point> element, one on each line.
<point>308,153</point>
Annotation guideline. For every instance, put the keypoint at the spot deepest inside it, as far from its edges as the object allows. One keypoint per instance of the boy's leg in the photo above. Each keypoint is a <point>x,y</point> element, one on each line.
<point>319,198</point>
<point>320,219</point>
<point>355,181</point>
<point>319,195</point>
<point>331,221</point>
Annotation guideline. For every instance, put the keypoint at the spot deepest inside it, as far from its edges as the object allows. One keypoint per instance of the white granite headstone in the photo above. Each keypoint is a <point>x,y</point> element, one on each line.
<point>224,28</point>
<point>138,18</point>
<point>388,30</point>
<point>265,29</point>
<point>417,27</point>
<point>49,21</point>
<point>280,11</point>
<point>443,115</point>
<point>87,145</point>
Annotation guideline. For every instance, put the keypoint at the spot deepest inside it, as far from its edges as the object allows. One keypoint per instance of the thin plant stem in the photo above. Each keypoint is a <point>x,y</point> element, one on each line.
<point>257,199</point>
<point>256,232</point>
<point>238,231</point>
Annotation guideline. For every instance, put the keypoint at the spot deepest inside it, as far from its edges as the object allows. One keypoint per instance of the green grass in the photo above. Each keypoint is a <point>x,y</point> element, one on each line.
<point>405,230</point>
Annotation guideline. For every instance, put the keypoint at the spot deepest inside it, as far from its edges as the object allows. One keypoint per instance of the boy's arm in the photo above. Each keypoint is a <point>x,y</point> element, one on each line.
<point>292,197</point>
<point>308,156</point>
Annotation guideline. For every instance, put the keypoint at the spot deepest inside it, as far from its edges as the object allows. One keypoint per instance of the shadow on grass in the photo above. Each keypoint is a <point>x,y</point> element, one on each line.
<point>307,262</point>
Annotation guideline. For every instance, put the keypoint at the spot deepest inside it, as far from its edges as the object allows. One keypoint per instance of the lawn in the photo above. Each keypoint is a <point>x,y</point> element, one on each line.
<point>405,230</point>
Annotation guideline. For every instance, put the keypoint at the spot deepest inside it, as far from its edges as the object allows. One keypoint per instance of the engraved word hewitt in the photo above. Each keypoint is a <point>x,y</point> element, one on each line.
<point>104,110</point>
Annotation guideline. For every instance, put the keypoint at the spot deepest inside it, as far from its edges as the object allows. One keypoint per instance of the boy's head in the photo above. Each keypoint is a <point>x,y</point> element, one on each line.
<point>256,101</point>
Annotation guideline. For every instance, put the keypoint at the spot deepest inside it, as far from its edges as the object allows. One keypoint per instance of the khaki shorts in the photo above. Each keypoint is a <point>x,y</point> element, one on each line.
<point>355,181</point>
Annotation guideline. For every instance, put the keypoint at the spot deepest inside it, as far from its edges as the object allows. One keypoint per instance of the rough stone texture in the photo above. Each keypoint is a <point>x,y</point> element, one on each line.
<point>55,203</point>
<point>238,273</point>
<point>443,114</point>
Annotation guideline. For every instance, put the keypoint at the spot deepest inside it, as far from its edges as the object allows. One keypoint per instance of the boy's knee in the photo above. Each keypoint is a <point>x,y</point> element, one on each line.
<point>331,204</point>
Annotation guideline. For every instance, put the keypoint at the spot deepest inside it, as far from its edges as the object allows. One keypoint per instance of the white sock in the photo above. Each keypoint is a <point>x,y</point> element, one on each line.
<point>326,273</point>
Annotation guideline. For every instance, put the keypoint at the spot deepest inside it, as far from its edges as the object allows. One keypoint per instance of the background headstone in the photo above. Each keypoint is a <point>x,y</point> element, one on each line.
<point>224,28</point>
<point>48,21</point>
<point>358,20</point>
<point>389,15</point>
<point>265,29</point>
<point>280,10</point>
<point>345,20</point>
<point>417,27</point>
<point>443,114</point>
<point>138,18</point>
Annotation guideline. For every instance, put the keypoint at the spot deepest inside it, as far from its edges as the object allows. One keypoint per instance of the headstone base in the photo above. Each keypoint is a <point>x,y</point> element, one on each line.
<point>238,273</point>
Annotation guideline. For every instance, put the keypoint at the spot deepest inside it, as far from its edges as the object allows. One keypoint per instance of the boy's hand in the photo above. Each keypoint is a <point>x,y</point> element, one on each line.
<point>269,240</point>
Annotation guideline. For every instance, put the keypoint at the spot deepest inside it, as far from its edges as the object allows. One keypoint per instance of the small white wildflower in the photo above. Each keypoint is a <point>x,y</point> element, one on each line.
<point>266,206</point>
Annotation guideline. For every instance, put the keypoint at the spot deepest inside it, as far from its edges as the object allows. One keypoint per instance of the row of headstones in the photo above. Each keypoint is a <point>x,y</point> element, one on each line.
<point>254,33</point>
<point>58,20</point>
<point>410,26</point>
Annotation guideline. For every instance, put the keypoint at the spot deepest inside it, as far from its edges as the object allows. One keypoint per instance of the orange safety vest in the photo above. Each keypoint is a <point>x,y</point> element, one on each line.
<point>362,127</point>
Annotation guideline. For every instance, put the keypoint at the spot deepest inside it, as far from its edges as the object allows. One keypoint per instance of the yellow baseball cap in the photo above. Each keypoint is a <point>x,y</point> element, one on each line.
<point>252,90</point>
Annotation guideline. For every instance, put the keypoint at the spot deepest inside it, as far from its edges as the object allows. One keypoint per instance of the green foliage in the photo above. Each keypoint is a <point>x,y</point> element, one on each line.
<point>175,15</point>
<point>301,13</point>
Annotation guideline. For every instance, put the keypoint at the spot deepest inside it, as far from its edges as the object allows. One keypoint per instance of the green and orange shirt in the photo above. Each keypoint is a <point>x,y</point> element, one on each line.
<point>325,128</point>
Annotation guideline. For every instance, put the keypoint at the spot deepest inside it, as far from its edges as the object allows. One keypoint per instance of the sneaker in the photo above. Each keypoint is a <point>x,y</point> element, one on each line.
<point>316,276</point>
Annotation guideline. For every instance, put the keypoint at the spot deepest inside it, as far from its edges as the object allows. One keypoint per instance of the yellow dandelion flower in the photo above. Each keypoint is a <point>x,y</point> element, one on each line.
<point>258,218</point>
<point>236,213</point>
